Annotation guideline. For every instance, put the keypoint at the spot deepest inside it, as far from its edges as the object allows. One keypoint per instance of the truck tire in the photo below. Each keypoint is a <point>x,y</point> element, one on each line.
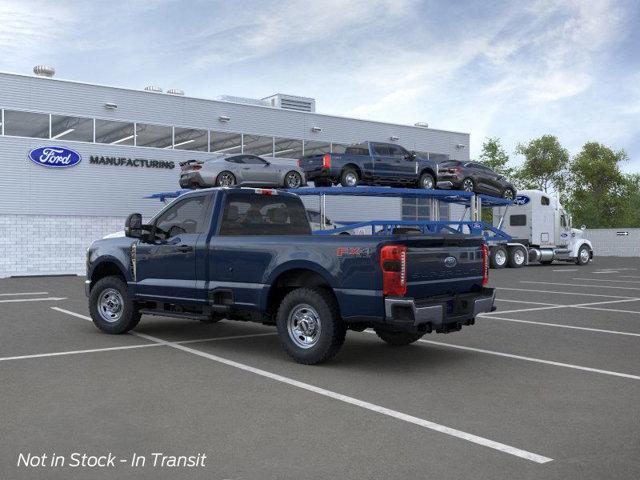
<point>517,257</point>
<point>427,182</point>
<point>309,325</point>
<point>349,178</point>
<point>112,309</point>
<point>583,255</point>
<point>397,339</point>
<point>498,257</point>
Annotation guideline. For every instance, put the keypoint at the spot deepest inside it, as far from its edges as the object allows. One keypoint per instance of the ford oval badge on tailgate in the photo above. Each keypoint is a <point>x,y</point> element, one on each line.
<point>56,157</point>
<point>450,262</point>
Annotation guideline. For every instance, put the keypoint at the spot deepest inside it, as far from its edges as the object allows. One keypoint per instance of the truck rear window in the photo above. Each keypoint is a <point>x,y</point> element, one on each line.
<point>264,215</point>
<point>517,220</point>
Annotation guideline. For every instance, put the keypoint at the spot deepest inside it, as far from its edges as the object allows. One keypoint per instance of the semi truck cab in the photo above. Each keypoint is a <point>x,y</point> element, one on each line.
<point>538,222</point>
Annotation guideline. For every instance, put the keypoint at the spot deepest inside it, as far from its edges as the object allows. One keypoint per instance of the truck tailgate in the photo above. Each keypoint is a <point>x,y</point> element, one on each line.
<point>443,266</point>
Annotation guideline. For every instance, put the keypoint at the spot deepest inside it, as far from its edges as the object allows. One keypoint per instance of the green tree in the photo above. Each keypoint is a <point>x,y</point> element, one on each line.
<point>545,165</point>
<point>495,157</point>
<point>631,199</point>
<point>599,192</point>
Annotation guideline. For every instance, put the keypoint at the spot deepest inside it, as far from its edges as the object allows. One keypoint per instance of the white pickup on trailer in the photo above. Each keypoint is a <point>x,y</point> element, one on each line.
<point>539,225</point>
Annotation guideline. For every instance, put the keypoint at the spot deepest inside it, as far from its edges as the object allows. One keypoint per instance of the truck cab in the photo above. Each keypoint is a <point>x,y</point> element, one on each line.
<point>538,221</point>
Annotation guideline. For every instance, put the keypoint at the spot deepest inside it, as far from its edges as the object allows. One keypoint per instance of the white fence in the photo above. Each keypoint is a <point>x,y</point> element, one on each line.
<point>614,242</point>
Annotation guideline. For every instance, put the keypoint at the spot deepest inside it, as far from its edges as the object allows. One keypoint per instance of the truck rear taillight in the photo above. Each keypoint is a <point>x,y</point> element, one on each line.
<point>393,262</point>
<point>485,265</point>
<point>326,161</point>
<point>265,191</point>
<point>299,162</point>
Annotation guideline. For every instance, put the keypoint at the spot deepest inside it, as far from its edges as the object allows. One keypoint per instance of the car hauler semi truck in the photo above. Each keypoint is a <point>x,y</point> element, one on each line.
<point>537,223</point>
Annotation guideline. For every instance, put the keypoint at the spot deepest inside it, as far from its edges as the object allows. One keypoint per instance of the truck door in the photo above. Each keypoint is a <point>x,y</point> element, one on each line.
<point>403,165</point>
<point>166,265</point>
<point>563,233</point>
<point>382,161</point>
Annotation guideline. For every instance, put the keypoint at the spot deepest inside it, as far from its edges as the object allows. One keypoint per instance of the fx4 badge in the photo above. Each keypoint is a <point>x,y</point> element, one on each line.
<point>353,252</point>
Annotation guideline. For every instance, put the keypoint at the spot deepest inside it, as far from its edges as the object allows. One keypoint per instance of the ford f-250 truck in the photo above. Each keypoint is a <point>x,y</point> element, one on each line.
<point>248,254</point>
<point>371,163</point>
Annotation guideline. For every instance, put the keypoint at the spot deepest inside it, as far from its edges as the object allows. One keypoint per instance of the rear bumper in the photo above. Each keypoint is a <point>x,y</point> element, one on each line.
<point>442,314</point>
<point>191,179</point>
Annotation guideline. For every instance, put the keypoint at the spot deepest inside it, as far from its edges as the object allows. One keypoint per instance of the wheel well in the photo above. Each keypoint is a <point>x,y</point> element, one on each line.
<point>354,167</point>
<point>290,280</point>
<point>106,269</point>
<point>429,171</point>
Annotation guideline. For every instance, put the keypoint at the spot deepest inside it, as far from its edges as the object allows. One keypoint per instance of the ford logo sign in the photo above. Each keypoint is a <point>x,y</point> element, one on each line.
<point>450,262</point>
<point>521,200</point>
<point>55,157</point>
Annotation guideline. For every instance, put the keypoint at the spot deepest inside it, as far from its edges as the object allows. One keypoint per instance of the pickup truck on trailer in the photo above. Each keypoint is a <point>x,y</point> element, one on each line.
<point>371,163</point>
<point>248,254</point>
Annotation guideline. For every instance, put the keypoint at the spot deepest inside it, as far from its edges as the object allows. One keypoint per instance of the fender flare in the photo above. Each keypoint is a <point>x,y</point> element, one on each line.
<point>109,259</point>
<point>578,245</point>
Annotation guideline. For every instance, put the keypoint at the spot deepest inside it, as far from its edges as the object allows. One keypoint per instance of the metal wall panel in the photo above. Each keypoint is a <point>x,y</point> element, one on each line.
<point>73,98</point>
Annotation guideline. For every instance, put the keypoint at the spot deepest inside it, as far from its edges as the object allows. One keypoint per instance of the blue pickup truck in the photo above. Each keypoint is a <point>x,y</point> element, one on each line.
<point>371,163</point>
<point>248,254</point>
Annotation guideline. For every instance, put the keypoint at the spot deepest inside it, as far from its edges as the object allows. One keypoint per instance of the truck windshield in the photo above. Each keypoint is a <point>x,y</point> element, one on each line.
<point>264,215</point>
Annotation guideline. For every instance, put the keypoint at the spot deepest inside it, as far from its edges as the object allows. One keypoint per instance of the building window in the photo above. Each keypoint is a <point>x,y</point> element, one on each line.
<point>26,124</point>
<point>114,133</point>
<point>157,136</point>
<point>258,145</point>
<point>316,148</point>
<point>287,148</point>
<point>72,128</point>
<point>190,139</point>
<point>226,143</point>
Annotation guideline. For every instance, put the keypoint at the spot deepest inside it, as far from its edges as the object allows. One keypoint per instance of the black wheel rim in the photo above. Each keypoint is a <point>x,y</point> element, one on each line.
<point>467,186</point>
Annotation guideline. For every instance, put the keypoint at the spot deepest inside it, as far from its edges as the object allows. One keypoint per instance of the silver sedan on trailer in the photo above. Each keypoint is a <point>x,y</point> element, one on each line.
<point>241,169</point>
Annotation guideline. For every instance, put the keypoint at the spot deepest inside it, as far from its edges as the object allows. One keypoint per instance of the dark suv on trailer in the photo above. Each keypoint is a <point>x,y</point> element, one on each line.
<point>474,177</point>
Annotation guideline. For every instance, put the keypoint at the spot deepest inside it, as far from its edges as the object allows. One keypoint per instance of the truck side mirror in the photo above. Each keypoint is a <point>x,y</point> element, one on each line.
<point>583,227</point>
<point>133,226</point>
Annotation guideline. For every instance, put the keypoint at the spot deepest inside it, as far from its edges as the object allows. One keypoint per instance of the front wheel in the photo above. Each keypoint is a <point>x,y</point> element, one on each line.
<point>583,255</point>
<point>397,339</point>
<point>427,182</point>
<point>309,326</point>
<point>292,179</point>
<point>112,309</point>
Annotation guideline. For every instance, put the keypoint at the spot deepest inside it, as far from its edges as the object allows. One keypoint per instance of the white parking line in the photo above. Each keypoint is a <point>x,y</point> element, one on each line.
<point>566,269</point>
<point>535,360</point>
<point>231,337</point>
<point>628,276</point>
<point>565,293</point>
<point>76,352</point>
<point>22,293</point>
<point>530,309</point>
<point>347,399</point>
<point>559,325</point>
<point>47,299</point>
<point>580,285</point>
<point>527,302</point>
<point>604,280</point>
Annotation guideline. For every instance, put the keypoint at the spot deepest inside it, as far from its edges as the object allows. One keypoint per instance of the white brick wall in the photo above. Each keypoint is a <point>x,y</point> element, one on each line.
<point>49,245</point>
<point>608,243</point>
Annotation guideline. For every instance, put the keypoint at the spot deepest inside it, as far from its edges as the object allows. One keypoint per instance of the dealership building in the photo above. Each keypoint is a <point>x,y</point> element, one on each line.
<point>129,144</point>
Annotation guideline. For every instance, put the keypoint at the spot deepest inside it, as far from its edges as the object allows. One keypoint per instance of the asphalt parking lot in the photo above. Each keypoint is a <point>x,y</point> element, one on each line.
<point>546,387</point>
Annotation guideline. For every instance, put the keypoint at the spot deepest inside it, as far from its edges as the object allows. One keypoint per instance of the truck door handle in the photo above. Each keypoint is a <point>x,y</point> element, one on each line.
<point>185,248</point>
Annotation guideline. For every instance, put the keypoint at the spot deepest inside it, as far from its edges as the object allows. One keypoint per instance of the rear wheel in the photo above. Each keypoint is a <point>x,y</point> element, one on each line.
<point>468,185</point>
<point>427,182</point>
<point>498,257</point>
<point>225,179</point>
<point>309,325</point>
<point>517,257</point>
<point>508,194</point>
<point>293,179</point>
<point>110,306</point>
<point>349,178</point>
<point>397,339</point>
<point>583,255</point>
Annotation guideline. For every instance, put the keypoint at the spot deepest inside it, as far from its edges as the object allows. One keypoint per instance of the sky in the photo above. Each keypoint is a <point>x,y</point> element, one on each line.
<point>514,70</point>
